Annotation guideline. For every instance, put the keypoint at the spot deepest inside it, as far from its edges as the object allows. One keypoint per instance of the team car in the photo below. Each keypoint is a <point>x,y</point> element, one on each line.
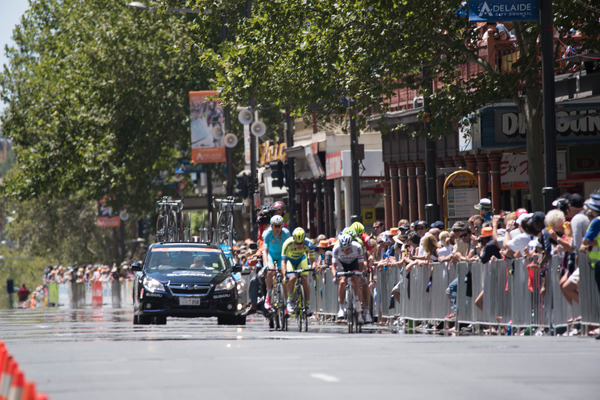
<point>185,280</point>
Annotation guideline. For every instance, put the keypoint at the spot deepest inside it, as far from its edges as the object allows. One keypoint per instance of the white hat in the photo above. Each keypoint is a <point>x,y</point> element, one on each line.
<point>523,217</point>
<point>484,205</point>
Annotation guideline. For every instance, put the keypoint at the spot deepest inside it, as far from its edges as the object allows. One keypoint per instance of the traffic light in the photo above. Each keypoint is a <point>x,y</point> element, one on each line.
<point>241,187</point>
<point>10,286</point>
<point>277,173</point>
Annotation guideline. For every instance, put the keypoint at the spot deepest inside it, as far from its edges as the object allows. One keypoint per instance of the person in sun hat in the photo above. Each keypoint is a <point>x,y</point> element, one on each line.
<point>485,209</point>
<point>323,255</point>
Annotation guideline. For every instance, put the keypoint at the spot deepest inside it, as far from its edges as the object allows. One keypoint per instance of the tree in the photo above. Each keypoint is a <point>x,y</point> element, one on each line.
<point>309,54</point>
<point>98,101</point>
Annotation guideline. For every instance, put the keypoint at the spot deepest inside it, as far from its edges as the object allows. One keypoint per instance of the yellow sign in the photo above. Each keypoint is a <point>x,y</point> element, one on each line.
<point>271,152</point>
<point>368,215</point>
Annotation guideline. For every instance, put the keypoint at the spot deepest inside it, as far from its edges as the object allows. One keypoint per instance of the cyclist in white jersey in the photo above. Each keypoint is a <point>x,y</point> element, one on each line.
<point>348,254</point>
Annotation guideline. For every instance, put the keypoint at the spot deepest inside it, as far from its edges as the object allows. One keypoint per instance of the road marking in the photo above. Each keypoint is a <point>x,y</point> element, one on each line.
<point>325,377</point>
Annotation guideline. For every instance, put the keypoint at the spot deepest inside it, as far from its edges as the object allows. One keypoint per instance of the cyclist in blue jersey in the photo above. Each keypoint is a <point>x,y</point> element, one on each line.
<point>273,239</point>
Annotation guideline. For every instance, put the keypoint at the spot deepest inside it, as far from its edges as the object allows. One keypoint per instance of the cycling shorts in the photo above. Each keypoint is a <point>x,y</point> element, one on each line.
<point>296,264</point>
<point>275,261</point>
<point>352,266</point>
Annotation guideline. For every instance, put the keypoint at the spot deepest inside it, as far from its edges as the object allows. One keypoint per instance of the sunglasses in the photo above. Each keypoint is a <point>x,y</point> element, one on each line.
<point>276,226</point>
<point>420,228</point>
<point>464,235</point>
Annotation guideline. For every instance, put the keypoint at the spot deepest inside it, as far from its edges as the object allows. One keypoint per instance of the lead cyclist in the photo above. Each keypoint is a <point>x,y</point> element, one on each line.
<point>294,257</point>
<point>349,254</point>
<point>273,239</point>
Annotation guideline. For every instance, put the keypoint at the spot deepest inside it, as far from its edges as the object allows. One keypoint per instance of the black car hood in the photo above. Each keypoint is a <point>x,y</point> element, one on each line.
<point>190,277</point>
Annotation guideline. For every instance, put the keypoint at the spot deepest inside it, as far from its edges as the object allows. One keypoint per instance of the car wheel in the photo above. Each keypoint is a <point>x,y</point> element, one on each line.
<point>241,320</point>
<point>142,320</point>
<point>227,320</point>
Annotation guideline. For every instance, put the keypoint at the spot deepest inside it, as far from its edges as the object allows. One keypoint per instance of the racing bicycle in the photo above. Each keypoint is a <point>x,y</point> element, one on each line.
<point>351,298</point>
<point>170,226</point>
<point>224,233</point>
<point>300,307</point>
<point>278,305</point>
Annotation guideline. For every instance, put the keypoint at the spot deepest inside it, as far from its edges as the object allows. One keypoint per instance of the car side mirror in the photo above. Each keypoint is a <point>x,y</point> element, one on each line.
<point>136,266</point>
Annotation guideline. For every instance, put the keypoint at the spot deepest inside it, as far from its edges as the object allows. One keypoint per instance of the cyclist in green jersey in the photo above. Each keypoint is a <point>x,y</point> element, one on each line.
<point>293,257</point>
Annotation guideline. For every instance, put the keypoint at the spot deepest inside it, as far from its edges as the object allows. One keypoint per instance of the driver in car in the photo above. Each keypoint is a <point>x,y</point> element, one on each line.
<point>200,263</point>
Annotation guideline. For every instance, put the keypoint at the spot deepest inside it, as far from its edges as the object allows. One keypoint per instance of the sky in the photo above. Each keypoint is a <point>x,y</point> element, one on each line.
<point>10,15</point>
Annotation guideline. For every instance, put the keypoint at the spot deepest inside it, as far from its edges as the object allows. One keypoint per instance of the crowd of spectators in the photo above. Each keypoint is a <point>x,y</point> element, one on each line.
<point>88,273</point>
<point>569,229</point>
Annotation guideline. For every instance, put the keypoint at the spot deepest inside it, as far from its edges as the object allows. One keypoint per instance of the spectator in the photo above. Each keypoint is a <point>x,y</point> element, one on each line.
<point>378,228</point>
<point>485,209</point>
<point>23,292</point>
<point>590,240</point>
<point>579,221</point>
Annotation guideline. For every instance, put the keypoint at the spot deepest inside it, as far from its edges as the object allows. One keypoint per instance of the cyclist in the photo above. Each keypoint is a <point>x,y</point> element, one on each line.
<point>273,239</point>
<point>293,257</point>
<point>359,230</point>
<point>349,254</point>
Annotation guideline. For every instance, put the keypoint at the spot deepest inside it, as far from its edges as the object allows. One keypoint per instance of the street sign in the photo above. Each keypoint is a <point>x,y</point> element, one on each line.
<point>503,10</point>
<point>460,196</point>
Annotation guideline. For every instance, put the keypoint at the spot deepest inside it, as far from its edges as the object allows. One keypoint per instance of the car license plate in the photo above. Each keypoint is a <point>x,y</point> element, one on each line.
<point>189,301</point>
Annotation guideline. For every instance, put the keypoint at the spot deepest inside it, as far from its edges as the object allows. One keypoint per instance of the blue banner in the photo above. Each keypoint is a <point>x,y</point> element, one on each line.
<point>503,10</point>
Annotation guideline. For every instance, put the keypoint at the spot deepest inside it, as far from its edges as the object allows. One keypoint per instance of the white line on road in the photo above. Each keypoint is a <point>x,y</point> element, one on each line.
<point>324,377</point>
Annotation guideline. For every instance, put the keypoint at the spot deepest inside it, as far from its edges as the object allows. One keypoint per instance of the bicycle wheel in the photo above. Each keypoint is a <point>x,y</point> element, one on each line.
<point>160,228</point>
<point>230,229</point>
<point>279,305</point>
<point>186,227</point>
<point>222,227</point>
<point>300,306</point>
<point>350,309</point>
<point>172,231</point>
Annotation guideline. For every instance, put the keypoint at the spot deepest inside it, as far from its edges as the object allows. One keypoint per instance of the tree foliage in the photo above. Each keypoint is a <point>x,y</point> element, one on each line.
<point>98,100</point>
<point>311,53</point>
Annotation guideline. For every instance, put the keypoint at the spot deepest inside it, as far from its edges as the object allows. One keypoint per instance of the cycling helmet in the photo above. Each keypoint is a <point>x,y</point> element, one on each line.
<point>278,205</point>
<point>276,220</point>
<point>345,240</point>
<point>359,228</point>
<point>349,231</point>
<point>298,235</point>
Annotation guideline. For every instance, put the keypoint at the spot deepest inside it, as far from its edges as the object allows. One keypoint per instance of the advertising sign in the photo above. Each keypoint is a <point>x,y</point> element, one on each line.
<point>207,126</point>
<point>333,163</point>
<point>514,170</point>
<point>106,218</point>
<point>503,10</point>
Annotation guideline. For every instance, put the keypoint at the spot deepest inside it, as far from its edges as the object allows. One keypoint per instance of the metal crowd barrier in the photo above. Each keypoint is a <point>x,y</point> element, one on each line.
<point>117,294</point>
<point>512,297</point>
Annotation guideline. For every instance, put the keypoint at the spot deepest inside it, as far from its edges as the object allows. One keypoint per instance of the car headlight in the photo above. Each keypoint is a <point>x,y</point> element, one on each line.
<point>152,285</point>
<point>227,284</point>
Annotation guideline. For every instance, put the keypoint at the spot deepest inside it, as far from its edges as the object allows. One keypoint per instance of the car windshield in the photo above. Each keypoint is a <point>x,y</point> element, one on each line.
<point>165,259</point>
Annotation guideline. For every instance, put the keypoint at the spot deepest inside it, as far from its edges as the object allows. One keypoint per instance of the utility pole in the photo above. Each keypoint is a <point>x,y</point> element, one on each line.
<point>289,141</point>
<point>354,159</point>
<point>551,191</point>
<point>227,117</point>
<point>432,208</point>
